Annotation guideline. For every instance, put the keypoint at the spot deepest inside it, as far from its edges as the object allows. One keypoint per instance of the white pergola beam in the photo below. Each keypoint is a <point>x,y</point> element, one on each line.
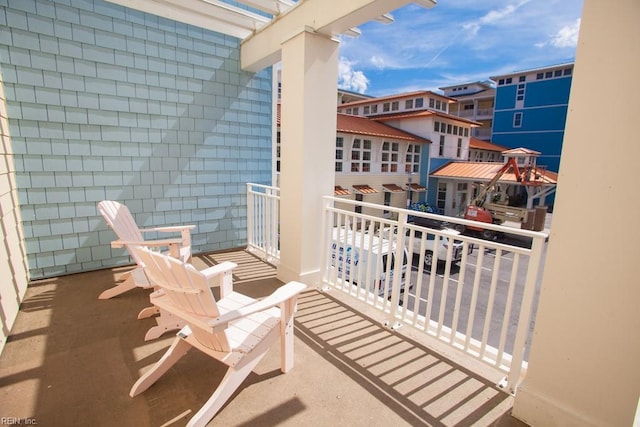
<point>210,14</point>
<point>325,17</point>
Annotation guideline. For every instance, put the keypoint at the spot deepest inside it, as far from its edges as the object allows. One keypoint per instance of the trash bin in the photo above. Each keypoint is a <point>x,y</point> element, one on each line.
<point>528,224</point>
<point>540,217</point>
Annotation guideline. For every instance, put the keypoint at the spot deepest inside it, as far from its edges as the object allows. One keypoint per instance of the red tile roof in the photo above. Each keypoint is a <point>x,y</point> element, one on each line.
<point>393,188</point>
<point>399,96</point>
<point>416,187</point>
<point>339,191</point>
<point>423,113</point>
<point>479,144</point>
<point>484,171</point>
<point>363,126</point>
<point>364,189</point>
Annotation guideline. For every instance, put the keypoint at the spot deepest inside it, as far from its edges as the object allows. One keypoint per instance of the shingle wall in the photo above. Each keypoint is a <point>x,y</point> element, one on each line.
<point>106,102</point>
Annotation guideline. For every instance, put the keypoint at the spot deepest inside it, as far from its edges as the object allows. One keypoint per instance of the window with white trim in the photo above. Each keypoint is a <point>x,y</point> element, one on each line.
<point>441,147</point>
<point>412,159</point>
<point>459,149</point>
<point>361,156</point>
<point>339,153</point>
<point>517,120</point>
<point>390,156</point>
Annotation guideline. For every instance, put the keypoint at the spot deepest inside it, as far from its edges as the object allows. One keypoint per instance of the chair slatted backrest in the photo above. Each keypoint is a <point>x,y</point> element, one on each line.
<point>118,217</point>
<point>189,291</point>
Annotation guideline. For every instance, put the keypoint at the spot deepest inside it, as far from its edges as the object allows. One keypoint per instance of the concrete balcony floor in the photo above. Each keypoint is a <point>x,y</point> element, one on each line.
<point>71,360</point>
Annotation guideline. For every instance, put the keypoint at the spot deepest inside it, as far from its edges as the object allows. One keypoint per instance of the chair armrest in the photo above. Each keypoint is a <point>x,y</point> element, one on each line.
<point>279,296</point>
<point>163,242</point>
<point>168,229</point>
<point>225,278</point>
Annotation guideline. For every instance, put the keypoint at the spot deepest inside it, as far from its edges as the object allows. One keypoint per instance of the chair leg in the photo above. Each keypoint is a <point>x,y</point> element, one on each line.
<point>148,312</point>
<point>135,278</point>
<point>166,322</point>
<point>229,384</point>
<point>178,349</point>
<point>123,287</point>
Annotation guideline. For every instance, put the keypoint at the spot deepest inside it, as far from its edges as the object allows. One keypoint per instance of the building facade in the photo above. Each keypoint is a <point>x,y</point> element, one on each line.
<point>426,114</point>
<point>531,110</point>
<point>475,102</point>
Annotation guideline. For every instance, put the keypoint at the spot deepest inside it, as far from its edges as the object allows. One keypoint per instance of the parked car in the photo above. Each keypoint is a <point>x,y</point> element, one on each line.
<point>435,243</point>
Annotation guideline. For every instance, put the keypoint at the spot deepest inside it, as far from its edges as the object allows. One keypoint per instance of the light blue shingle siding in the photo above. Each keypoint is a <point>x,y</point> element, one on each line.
<point>109,102</point>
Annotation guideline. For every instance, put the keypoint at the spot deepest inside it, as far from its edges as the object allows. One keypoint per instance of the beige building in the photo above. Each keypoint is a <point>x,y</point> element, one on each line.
<point>476,101</point>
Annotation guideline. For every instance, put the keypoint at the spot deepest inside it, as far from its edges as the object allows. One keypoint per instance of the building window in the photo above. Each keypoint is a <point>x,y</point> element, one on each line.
<point>395,105</point>
<point>459,149</point>
<point>442,196</point>
<point>449,128</point>
<point>508,81</point>
<point>374,109</point>
<point>438,106</point>
<point>366,109</point>
<point>466,132</point>
<point>278,151</point>
<point>385,107</point>
<point>359,198</point>
<point>339,153</point>
<point>361,156</point>
<point>468,107</point>
<point>548,74</point>
<point>557,73</point>
<point>390,156</point>
<point>500,82</point>
<point>567,71</point>
<point>436,126</point>
<point>387,201</point>
<point>349,110</point>
<point>355,111</point>
<point>408,104</point>
<point>441,147</point>
<point>522,78</point>
<point>539,76</point>
<point>517,120</point>
<point>412,159</point>
<point>419,102</point>
<point>455,129</point>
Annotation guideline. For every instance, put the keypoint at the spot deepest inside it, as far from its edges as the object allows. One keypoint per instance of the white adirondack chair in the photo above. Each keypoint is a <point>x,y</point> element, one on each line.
<point>236,330</point>
<point>118,218</point>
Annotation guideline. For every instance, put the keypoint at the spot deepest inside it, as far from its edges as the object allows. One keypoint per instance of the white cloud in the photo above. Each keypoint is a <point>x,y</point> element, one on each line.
<point>567,36</point>
<point>351,79</point>
<point>492,17</point>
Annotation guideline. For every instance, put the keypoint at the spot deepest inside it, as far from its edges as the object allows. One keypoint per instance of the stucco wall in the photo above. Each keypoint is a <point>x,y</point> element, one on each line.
<point>584,369</point>
<point>106,102</point>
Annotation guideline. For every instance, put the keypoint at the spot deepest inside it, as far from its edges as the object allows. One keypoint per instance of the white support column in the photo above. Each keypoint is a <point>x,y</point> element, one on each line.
<point>307,138</point>
<point>584,365</point>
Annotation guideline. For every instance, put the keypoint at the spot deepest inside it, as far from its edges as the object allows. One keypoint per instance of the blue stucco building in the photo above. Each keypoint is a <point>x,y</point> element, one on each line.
<point>531,109</point>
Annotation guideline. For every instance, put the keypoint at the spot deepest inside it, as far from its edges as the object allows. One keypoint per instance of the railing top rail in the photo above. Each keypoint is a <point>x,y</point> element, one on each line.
<point>251,186</point>
<point>437,217</point>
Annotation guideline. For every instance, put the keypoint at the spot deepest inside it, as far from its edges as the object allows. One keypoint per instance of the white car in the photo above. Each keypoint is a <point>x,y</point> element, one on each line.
<point>446,238</point>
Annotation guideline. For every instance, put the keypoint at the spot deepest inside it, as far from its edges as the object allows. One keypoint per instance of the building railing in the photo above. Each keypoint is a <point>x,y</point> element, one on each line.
<point>263,221</point>
<point>475,296</point>
<point>480,113</point>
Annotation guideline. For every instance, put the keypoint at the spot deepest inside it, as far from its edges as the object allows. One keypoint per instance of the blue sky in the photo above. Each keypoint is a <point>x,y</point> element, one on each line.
<point>458,41</point>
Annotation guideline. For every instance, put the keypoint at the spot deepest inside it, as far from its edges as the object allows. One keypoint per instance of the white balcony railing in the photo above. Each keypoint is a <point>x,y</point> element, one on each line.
<point>476,296</point>
<point>263,229</point>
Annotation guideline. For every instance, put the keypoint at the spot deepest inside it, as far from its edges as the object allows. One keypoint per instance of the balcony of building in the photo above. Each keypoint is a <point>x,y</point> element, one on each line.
<point>359,358</point>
